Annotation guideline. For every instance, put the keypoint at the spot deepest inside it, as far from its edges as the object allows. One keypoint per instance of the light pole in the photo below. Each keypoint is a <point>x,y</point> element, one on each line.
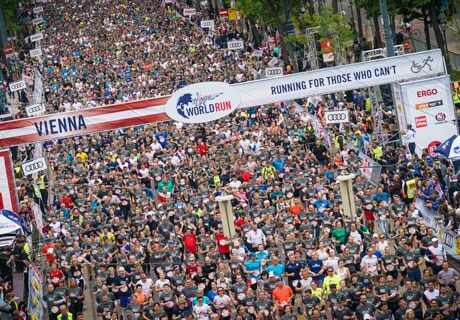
<point>355,33</point>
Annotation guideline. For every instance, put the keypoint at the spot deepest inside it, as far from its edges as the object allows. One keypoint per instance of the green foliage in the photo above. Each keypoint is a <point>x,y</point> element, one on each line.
<point>10,14</point>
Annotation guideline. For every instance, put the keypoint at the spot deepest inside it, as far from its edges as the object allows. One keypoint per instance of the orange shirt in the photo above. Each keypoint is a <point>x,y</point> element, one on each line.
<point>282,294</point>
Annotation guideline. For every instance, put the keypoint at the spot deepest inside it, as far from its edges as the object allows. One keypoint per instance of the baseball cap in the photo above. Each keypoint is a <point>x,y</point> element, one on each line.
<point>367,317</point>
<point>279,279</point>
<point>121,269</point>
<point>143,276</point>
<point>434,240</point>
<point>252,254</point>
<point>171,242</point>
<point>375,235</point>
<point>271,274</point>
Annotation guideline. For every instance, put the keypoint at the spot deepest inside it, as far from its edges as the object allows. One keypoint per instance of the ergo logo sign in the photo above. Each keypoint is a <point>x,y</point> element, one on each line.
<point>427,93</point>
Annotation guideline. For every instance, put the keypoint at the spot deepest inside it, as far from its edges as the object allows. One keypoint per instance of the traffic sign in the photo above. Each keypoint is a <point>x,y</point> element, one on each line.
<point>8,50</point>
<point>406,45</point>
<point>223,12</point>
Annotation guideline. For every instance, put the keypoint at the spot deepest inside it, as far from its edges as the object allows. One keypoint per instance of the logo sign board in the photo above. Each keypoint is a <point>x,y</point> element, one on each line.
<point>273,62</point>
<point>36,37</point>
<point>235,45</point>
<point>34,166</point>
<point>202,102</point>
<point>168,1</point>
<point>189,11</point>
<point>35,52</point>
<point>38,9</point>
<point>207,24</point>
<point>37,21</point>
<point>35,110</point>
<point>337,117</point>
<point>273,72</point>
<point>18,85</point>
<point>428,103</point>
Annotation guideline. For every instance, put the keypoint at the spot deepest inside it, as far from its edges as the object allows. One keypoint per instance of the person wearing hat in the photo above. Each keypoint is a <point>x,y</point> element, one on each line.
<point>435,255</point>
<point>146,284</point>
<point>124,285</point>
<point>341,311</point>
<point>253,268</point>
<point>282,295</point>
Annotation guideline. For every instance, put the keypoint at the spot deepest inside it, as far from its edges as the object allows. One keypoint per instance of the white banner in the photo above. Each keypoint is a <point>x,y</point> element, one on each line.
<point>257,53</point>
<point>235,45</point>
<point>428,106</point>
<point>35,302</point>
<point>207,24</point>
<point>18,85</point>
<point>38,9</point>
<point>35,53</point>
<point>8,198</point>
<point>397,99</point>
<point>37,21</point>
<point>273,62</point>
<point>33,166</point>
<point>38,214</point>
<point>342,78</point>
<point>273,72</point>
<point>189,11</point>
<point>337,117</point>
<point>35,110</point>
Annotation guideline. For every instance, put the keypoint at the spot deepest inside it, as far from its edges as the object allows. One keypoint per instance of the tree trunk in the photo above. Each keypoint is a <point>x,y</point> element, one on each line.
<point>360,22</point>
<point>437,30</point>
<point>335,6</point>
<point>288,51</point>
<point>378,34</point>
<point>311,7</point>
<point>426,25</point>
<point>393,27</point>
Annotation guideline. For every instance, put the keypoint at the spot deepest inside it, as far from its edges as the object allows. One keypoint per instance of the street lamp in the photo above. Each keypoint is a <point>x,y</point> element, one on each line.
<point>443,28</point>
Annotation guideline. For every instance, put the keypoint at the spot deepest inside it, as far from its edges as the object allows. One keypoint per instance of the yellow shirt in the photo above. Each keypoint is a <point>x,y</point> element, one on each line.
<point>335,279</point>
<point>83,156</point>
<point>318,292</point>
<point>109,235</point>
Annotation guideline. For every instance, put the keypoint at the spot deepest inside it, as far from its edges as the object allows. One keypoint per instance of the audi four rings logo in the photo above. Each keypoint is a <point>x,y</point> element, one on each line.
<point>273,72</point>
<point>34,166</point>
<point>35,108</point>
<point>336,116</point>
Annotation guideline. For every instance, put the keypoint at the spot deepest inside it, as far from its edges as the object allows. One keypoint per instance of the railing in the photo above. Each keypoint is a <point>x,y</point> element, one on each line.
<point>454,57</point>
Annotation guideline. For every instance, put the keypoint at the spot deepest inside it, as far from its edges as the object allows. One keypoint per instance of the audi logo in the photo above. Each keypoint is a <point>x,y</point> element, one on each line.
<point>336,116</point>
<point>273,72</point>
<point>34,166</point>
<point>35,108</point>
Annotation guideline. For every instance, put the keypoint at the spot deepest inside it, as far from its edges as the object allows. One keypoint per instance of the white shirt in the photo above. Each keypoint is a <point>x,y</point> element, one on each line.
<point>235,184</point>
<point>255,237</point>
<point>431,295</point>
<point>370,262</point>
<point>146,286</point>
<point>410,136</point>
<point>221,302</point>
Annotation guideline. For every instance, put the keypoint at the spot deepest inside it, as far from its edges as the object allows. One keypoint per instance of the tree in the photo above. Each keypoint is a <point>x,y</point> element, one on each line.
<point>10,14</point>
<point>276,14</point>
<point>329,25</point>
<point>417,9</point>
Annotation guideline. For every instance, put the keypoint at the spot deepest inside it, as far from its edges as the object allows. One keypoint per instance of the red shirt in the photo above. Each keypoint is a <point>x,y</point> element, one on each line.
<point>68,202</point>
<point>202,149</point>
<point>223,243</point>
<point>192,269</point>
<point>190,243</point>
<point>55,276</point>
<point>49,251</point>
<point>246,176</point>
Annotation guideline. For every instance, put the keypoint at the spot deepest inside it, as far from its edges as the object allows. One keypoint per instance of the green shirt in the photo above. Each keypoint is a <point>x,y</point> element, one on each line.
<point>339,235</point>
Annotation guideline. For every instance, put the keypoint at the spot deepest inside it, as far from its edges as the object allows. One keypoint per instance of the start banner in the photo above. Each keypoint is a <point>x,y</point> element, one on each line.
<point>207,101</point>
<point>7,184</point>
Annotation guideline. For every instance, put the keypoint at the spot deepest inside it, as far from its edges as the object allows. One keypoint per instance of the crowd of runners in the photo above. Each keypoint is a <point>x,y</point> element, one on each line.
<point>133,215</point>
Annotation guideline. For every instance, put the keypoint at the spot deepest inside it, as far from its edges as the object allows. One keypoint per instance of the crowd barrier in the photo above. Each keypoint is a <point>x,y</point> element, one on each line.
<point>448,238</point>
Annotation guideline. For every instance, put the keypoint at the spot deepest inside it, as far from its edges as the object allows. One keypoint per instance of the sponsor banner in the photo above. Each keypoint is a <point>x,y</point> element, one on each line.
<point>223,12</point>
<point>75,123</point>
<point>337,117</point>
<point>328,51</point>
<point>38,214</point>
<point>343,78</point>
<point>232,15</point>
<point>252,93</point>
<point>446,237</point>
<point>35,52</point>
<point>35,110</point>
<point>34,166</point>
<point>37,9</point>
<point>207,24</point>
<point>273,72</point>
<point>18,85</point>
<point>189,12</point>
<point>35,303</point>
<point>235,45</point>
<point>429,108</point>
<point>397,98</point>
<point>257,53</point>
<point>202,102</point>
<point>7,184</point>
<point>370,169</point>
<point>273,62</point>
<point>36,37</point>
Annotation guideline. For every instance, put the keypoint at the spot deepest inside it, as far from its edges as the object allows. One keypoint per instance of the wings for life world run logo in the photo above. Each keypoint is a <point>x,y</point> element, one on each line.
<point>202,102</point>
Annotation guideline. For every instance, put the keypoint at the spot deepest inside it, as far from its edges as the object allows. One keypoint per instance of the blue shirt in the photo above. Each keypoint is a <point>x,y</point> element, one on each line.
<point>277,270</point>
<point>382,197</point>
<point>315,266</point>
<point>252,266</point>
<point>279,164</point>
